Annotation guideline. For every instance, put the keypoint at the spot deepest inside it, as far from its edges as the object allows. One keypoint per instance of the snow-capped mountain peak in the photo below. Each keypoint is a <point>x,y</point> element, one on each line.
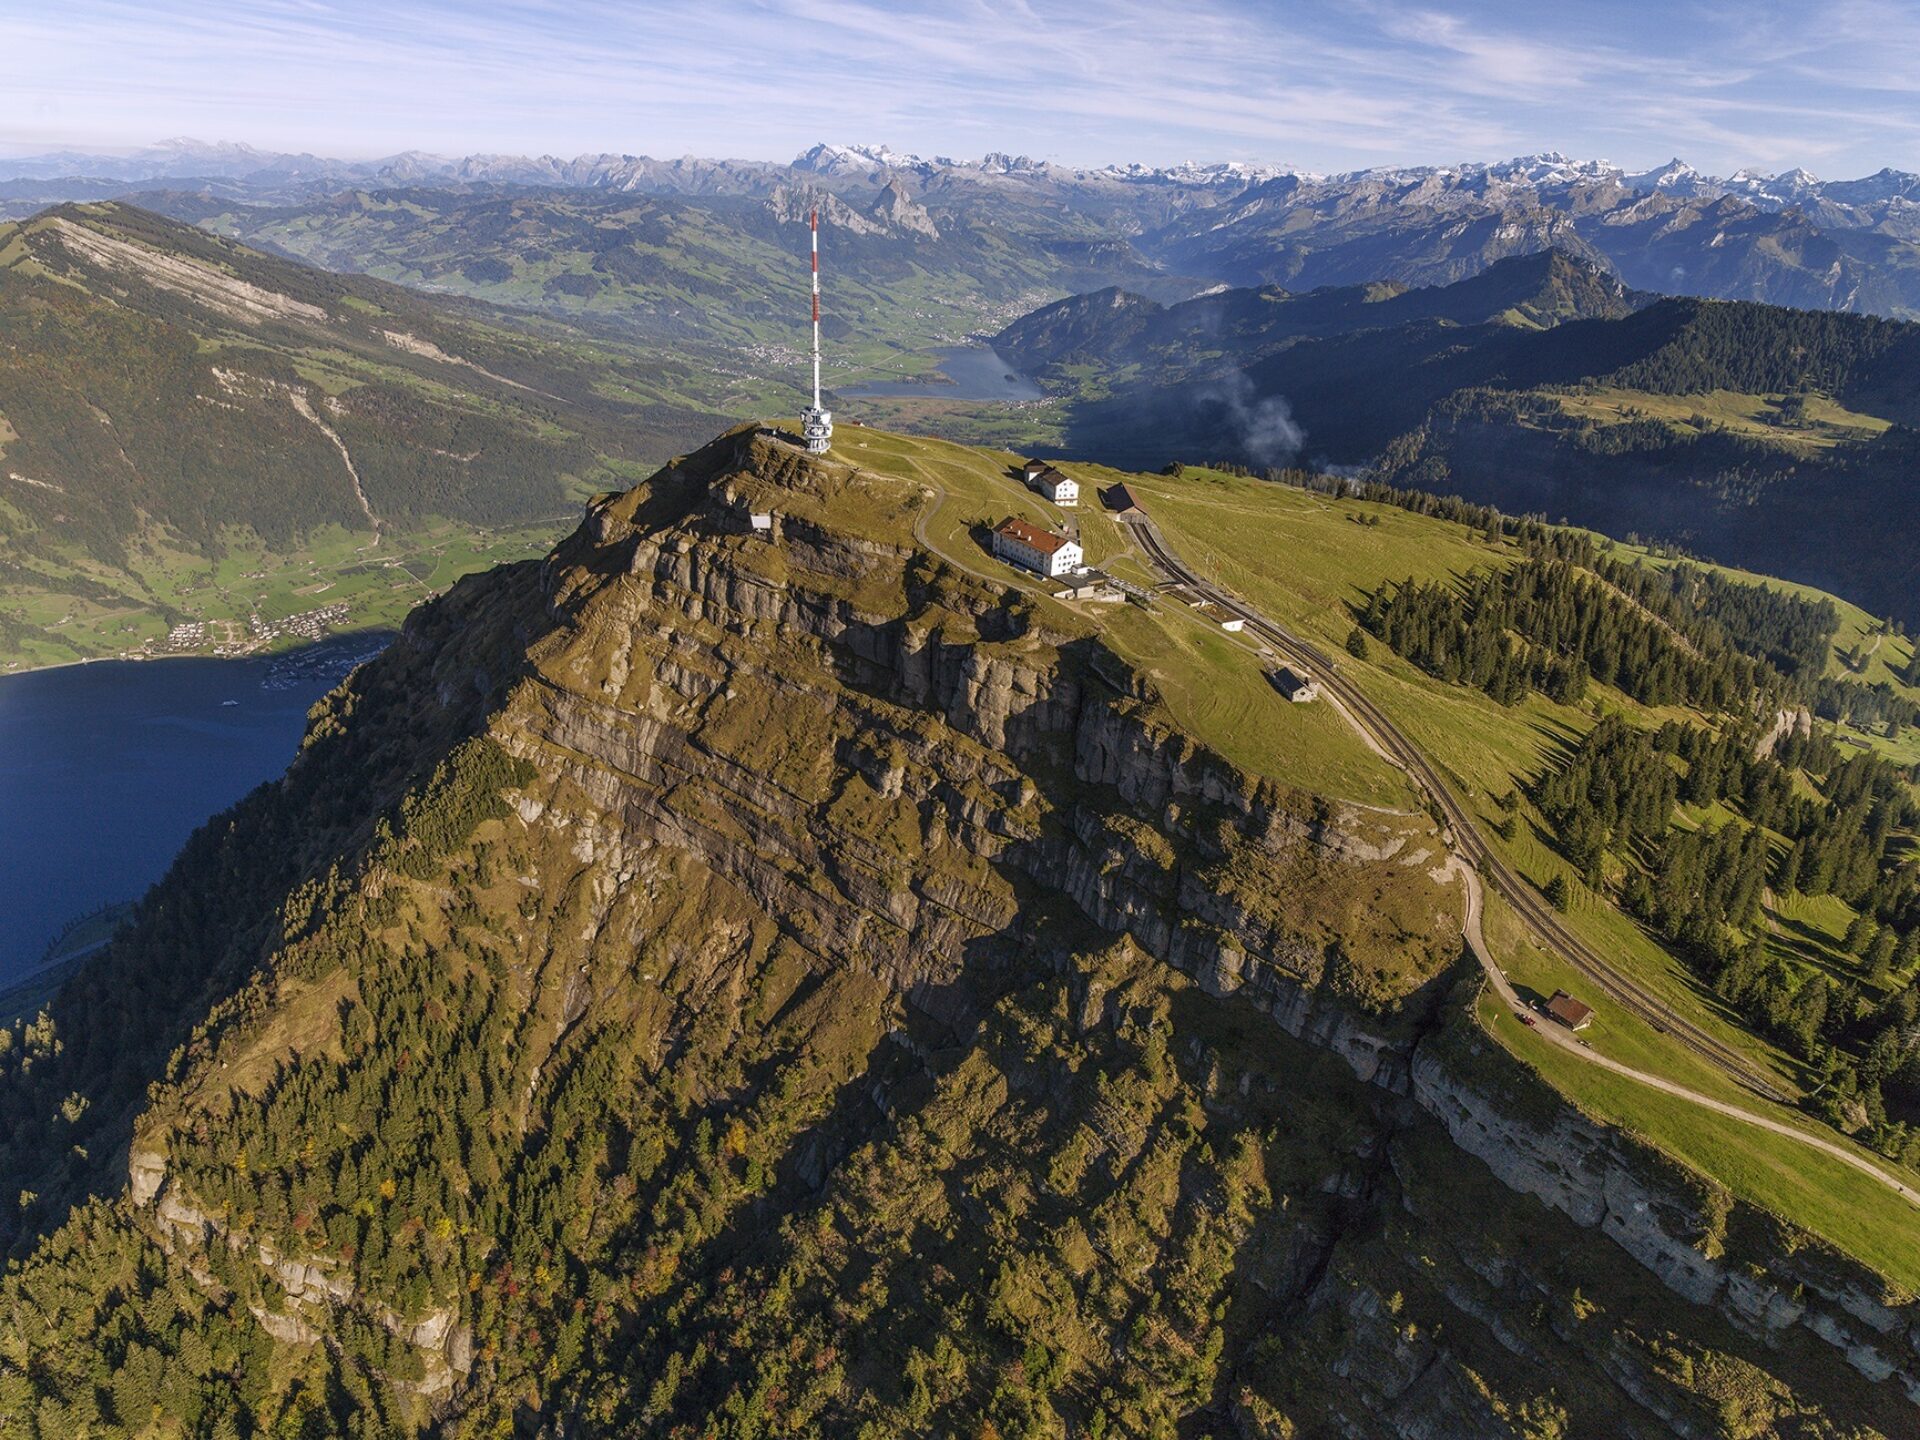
<point>1676,177</point>
<point>825,159</point>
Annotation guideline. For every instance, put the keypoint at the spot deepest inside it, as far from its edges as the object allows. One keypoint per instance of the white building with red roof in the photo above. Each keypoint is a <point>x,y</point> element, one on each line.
<point>1032,548</point>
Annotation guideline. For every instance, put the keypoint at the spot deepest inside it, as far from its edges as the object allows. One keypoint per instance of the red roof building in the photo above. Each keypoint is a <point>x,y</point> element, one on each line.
<point>1035,549</point>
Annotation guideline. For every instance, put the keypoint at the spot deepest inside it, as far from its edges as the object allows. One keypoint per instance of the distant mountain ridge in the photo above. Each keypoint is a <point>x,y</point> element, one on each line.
<point>1788,238</point>
<point>187,158</point>
<point>1117,328</point>
<point>901,272</point>
<point>1547,172</point>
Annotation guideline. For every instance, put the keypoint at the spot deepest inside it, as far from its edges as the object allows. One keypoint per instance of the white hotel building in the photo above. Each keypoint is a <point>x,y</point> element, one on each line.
<point>1032,548</point>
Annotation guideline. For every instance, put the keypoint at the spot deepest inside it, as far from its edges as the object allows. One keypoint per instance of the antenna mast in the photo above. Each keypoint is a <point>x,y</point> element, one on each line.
<point>816,424</point>
<point>813,225</point>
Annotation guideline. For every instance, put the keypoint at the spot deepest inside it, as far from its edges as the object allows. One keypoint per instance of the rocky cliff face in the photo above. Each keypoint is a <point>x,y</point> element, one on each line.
<point>1700,1242</point>
<point>1032,759</point>
<point>793,987</point>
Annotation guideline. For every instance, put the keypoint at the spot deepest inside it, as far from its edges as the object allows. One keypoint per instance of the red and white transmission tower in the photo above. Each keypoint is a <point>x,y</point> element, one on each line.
<point>816,424</point>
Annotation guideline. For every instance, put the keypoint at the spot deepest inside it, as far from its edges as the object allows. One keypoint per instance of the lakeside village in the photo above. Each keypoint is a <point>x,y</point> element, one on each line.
<point>226,639</point>
<point>312,660</point>
<point>304,637</point>
<point>316,645</point>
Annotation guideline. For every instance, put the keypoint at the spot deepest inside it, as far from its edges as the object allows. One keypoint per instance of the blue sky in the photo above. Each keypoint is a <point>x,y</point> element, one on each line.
<point>1834,87</point>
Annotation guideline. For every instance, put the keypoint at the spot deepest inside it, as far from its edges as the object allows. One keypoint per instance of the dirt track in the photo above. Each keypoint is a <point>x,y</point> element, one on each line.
<point>1474,857</point>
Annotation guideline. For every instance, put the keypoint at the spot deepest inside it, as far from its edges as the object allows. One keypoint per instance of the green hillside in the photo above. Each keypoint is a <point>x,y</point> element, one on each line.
<point>1340,552</point>
<point>194,432</point>
<point>1439,225</point>
<point>1754,435</point>
<point>713,269</point>
<point>1313,558</point>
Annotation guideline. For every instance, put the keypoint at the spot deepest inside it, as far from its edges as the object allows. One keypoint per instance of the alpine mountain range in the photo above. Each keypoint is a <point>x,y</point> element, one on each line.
<point>1788,238</point>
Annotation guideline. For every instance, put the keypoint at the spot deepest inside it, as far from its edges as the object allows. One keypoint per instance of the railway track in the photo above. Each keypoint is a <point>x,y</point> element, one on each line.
<point>1606,977</point>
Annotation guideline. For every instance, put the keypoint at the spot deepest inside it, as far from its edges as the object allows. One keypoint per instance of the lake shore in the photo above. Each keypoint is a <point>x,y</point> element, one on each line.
<point>965,372</point>
<point>266,652</point>
<point>107,766</point>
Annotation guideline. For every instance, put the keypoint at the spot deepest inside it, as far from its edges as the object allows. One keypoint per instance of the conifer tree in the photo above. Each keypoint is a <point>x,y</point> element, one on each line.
<point>1879,956</point>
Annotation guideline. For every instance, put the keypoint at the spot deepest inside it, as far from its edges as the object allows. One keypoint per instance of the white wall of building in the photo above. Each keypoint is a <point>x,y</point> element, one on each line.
<point>1063,561</point>
<point>1061,489</point>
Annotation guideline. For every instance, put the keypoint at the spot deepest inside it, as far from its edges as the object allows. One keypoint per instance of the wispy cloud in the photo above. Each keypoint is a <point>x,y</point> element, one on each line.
<point>1332,87</point>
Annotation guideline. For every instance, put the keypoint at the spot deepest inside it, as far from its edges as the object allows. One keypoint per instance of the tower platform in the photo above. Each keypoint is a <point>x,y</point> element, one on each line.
<point>816,428</point>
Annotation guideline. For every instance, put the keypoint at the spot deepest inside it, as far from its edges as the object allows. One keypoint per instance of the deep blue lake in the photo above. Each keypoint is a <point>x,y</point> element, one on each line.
<point>106,768</point>
<point>977,372</point>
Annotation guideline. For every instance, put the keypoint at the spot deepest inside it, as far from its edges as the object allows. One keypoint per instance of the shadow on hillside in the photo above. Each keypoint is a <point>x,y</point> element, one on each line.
<point>219,906</point>
<point>1814,946</point>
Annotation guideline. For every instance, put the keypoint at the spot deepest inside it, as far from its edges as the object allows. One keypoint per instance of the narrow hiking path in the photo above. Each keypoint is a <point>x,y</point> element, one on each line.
<point>1566,1041</point>
<point>1471,856</point>
<point>1660,622</point>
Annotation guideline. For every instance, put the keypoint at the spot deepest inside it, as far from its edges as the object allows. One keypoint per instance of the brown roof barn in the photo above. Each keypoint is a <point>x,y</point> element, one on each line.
<point>1569,1011</point>
<point>1119,498</point>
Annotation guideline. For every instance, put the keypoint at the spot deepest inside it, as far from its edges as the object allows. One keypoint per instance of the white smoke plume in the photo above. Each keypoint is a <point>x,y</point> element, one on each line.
<point>1267,432</point>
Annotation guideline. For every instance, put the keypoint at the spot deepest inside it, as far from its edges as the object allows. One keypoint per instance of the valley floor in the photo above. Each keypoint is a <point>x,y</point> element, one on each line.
<point>251,600</point>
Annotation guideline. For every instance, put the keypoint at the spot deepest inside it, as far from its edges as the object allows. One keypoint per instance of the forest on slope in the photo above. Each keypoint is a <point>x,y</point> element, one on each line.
<point>705,985</point>
<point>167,398</point>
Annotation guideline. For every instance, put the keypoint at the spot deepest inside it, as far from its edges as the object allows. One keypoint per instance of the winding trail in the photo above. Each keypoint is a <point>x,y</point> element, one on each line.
<point>1463,834</point>
<point>1554,1035</point>
<point>1475,863</point>
<point>1473,858</point>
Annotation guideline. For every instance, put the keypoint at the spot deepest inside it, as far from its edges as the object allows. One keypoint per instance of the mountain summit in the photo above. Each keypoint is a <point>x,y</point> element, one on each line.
<point>724,972</point>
